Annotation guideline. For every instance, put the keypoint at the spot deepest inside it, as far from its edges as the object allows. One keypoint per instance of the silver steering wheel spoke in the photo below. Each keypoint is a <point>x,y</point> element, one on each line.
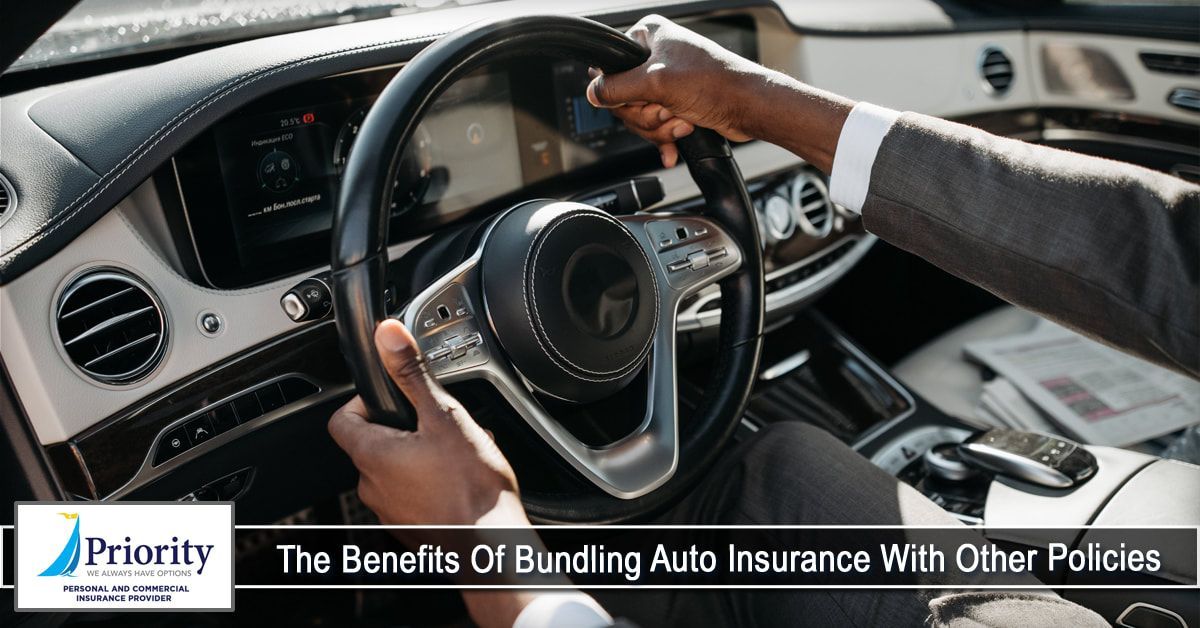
<point>446,321</point>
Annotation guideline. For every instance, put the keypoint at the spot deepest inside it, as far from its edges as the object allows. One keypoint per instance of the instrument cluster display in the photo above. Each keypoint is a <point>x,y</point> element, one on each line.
<point>259,189</point>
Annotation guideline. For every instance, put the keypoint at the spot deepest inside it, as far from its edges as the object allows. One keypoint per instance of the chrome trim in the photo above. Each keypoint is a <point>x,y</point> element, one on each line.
<point>12,198</point>
<point>954,470</point>
<point>764,215</point>
<point>1018,467</point>
<point>1129,609</point>
<point>1185,98</point>
<point>988,88</point>
<point>99,273</point>
<point>967,519</point>
<point>888,379</point>
<point>915,439</point>
<point>785,366</point>
<point>798,212</point>
<point>187,220</point>
<point>692,319</point>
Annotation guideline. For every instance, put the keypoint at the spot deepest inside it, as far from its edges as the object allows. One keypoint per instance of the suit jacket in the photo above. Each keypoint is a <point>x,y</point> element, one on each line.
<point>1106,248</point>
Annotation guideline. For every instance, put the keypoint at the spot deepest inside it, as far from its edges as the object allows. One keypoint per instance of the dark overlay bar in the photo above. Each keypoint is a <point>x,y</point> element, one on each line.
<point>759,556</point>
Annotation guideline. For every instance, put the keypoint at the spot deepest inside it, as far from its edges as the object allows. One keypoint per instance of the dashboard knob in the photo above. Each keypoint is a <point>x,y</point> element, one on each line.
<point>309,300</point>
<point>294,306</point>
<point>944,462</point>
<point>778,212</point>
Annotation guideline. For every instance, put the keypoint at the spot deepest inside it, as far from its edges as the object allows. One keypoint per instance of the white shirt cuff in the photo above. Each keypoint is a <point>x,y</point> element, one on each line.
<point>857,146</point>
<point>563,609</point>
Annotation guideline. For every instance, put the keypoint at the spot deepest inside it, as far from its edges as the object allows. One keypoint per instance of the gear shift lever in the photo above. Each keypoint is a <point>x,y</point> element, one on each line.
<point>1036,458</point>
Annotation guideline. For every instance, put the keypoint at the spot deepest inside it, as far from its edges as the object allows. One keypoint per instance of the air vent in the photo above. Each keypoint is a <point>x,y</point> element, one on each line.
<point>996,69</point>
<point>111,326</point>
<point>1171,63</point>
<point>8,198</point>
<point>810,202</point>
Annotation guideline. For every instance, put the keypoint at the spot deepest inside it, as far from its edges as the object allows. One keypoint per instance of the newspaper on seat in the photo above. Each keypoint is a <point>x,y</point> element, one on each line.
<point>1054,380</point>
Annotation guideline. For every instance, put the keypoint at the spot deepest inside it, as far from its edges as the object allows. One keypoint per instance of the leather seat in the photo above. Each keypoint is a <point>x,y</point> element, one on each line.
<point>939,372</point>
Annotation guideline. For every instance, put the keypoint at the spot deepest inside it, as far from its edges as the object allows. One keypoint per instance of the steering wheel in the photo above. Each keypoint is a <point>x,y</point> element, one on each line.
<point>560,298</point>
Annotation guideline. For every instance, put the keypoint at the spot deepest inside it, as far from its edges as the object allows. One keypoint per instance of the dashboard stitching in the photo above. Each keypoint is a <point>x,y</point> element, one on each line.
<point>538,324</point>
<point>176,122</point>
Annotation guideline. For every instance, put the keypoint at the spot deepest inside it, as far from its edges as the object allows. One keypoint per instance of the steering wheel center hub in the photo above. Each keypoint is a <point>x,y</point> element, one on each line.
<point>572,297</point>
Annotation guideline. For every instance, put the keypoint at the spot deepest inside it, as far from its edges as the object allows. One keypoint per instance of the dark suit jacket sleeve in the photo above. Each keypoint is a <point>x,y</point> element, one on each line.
<point>1106,248</point>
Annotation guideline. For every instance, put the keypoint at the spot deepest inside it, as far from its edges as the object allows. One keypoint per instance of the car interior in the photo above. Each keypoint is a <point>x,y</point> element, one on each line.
<point>192,259</point>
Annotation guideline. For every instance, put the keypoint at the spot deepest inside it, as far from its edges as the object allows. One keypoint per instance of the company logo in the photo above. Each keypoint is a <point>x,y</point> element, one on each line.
<point>68,558</point>
<point>129,556</point>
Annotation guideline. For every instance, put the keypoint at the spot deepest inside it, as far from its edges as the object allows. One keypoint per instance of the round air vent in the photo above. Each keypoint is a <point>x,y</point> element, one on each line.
<point>112,326</point>
<point>810,202</point>
<point>996,69</point>
<point>8,198</point>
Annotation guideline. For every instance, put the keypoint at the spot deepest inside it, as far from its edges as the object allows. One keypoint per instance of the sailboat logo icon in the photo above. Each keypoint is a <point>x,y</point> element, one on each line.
<point>68,558</point>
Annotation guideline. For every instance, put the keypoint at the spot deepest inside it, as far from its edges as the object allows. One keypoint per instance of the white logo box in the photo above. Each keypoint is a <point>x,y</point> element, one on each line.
<point>74,556</point>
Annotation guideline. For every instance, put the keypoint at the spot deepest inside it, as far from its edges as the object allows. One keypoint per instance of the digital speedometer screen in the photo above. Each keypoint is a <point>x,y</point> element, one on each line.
<point>258,190</point>
<point>282,169</point>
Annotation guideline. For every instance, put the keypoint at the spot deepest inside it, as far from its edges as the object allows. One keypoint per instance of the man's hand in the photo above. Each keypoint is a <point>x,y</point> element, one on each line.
<point>691,81</point>
<point>448,472</point>
<point>688,80</point>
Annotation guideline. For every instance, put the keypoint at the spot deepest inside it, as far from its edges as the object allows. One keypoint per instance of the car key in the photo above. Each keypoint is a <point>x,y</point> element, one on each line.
<point>1036,458</point>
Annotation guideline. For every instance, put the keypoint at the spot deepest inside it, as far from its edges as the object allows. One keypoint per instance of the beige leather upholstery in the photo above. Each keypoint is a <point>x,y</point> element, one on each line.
<point>940,374</point>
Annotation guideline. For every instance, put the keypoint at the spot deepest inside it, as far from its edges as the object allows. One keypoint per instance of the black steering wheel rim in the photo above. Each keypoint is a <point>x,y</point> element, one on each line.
<point>360,238</point>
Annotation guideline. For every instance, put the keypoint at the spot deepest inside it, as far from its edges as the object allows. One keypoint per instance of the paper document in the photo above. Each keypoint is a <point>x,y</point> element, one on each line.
<point>1090,391</point>
<point>1004,406</point>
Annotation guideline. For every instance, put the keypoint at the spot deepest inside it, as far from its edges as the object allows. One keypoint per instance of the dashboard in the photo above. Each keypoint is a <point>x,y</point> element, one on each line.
<point>259,188</point>
<point>206,184</point>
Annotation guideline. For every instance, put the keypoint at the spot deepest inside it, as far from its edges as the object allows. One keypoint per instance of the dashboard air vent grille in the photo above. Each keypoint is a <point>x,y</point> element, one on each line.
<point>111,326</point>
<point>1171,63</point>
<point>810,201</point>
<point>996,69</point>
<point>8,198</point>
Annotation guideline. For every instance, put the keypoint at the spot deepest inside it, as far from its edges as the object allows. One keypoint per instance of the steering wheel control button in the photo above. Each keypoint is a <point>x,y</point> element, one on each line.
<point>440,353</point>
<point>704,254</point>
<point>309,300</point>
<point>698,260</point>
<point>447,332</point>
<point>172,444</point>
<point>445,308</point>
<point>572,296</point>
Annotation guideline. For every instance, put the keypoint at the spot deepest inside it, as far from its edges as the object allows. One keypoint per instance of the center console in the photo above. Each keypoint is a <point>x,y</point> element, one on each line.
<point>812,372</point>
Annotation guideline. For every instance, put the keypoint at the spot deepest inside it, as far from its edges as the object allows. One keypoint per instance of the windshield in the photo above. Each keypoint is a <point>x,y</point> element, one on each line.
<point>97,29</point>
